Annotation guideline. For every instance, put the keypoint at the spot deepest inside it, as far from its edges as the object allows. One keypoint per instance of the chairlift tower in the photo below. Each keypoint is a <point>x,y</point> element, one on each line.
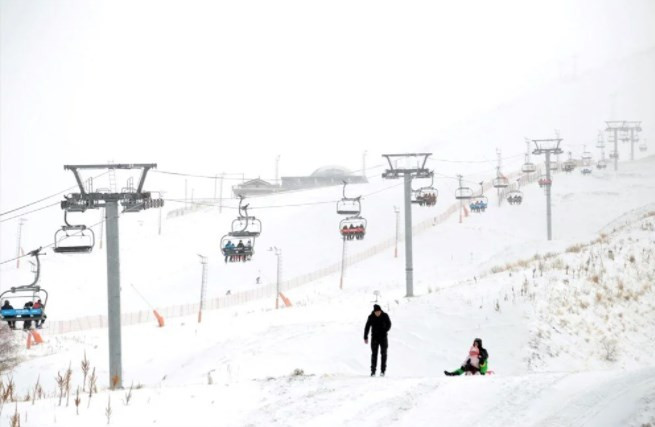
<point>629,133</point>
<point>133,200</point>
<point>203,286</point>
<point>395,172</point>
<point>548,147</point>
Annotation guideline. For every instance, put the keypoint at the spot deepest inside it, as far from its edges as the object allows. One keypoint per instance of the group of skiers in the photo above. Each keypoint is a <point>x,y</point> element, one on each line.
<point>238,252</point>
<point>478,206</point>
<point>25,318</point>
<point>515,200</point>
<point>426,199</point>
<point>353,232</point>
<point>379,324</point>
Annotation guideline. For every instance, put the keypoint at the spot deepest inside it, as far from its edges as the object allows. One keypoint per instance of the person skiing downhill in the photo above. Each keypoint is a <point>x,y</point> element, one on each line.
<point>476,362</point>
<point>379,324</point>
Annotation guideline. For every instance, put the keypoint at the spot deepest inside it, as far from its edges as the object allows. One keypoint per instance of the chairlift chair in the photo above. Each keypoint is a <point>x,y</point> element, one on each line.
<point>614,155</point>
<point>463,193</point>
<point>643,147</point>
<point>529,168</point>
<point>73,239</point>
<point>569,166</point>
<point>500,182</point>
<point>233,252</point>
<point>586,171</point>
<point>602,164</point>
<point>544,181</point>
<point>245,225</point>
<point>425,196</point>
<point>349,205</point>
<point>23,297</point>
<point>515,197</point>
<point>239,243</point>
<point>353,228</point>
<point>479,202</point>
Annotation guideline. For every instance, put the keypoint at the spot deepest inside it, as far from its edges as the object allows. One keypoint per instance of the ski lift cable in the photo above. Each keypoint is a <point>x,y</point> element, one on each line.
<point>49,245</point>
<point>281,206</point>
<point>191,175</point>
<point>475,161</point>
<point>46,198</point>
<point>29,212</point>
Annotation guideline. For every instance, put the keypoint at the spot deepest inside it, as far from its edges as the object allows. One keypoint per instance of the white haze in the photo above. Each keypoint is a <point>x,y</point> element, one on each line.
<point>206,87</point>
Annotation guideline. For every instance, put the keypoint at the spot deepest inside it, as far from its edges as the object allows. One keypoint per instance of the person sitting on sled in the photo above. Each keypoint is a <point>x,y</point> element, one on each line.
<point>475,363</point>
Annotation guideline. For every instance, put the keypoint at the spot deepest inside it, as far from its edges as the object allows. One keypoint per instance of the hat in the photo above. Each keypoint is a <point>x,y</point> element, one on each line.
<point>376,308</point>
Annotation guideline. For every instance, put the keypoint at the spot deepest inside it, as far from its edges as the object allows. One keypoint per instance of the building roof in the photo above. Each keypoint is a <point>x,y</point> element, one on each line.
<point>254,183</point>
<point>331,171</point>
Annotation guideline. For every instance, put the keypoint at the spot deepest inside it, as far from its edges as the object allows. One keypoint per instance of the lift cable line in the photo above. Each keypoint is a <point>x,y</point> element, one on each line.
<point>474,161</point>
<point>242,178</point>
<point>292,205</point>
<point>29,212</point>
<point>420,171</point>
<point>49,245</point>
<point>41,200</point>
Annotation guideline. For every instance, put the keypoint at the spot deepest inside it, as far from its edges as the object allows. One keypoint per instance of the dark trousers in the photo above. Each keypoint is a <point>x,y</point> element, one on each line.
<point>382,343</point>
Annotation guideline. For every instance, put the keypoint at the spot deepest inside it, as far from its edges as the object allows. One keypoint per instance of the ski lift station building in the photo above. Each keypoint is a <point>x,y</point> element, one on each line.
<point>321,177</point>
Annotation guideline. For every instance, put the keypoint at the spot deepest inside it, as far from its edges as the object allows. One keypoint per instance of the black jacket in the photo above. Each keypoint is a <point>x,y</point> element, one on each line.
<point>379,326</point>
<point>483,356</point>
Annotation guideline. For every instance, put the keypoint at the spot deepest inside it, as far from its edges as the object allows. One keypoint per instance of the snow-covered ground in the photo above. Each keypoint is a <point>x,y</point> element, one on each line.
<point>568,323</point>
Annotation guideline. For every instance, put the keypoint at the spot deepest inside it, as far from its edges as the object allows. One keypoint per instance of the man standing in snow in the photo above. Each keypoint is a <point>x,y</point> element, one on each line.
<point>379,323</point>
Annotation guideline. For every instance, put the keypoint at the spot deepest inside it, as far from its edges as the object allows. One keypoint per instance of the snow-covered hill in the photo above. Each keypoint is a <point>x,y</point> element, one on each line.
<point>566,324</point>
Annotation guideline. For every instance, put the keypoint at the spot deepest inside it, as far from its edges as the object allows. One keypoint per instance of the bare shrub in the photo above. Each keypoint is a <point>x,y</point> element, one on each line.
<point>8,391</point>
<point>128,395</point>
<point>67,383</point>
<point>574,249</point>
<point>595,278</point>
<point>599,297</point>
<point>61,385</point>
<point>77,401</point>
<point>108,410</point>
<point>86,365</point>
<point>92,385</point>
<point>609,349</point>
<point>15,419</point>
<point>298,372</point>
<point>37,389</point>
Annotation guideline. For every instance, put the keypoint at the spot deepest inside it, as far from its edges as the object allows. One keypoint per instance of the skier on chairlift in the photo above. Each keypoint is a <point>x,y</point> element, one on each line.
<point>27,324</point>
<point>240,248</point>
<point>229,251</point>
<point>8,306</point>
<point>39,306</point>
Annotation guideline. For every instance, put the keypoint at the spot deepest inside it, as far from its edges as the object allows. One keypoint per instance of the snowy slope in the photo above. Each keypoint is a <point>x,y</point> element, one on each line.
<point>549,339</point>
<point>546,334</point>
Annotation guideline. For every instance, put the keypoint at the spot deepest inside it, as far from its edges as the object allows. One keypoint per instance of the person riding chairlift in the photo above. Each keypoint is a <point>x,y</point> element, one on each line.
<point>229,251</point>
<point>240,249</point>
<point>39,306</point>
<point>8,306</point>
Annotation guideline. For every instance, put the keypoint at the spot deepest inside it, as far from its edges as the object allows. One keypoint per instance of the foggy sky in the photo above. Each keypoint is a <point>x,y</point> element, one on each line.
<point>207,87</point>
